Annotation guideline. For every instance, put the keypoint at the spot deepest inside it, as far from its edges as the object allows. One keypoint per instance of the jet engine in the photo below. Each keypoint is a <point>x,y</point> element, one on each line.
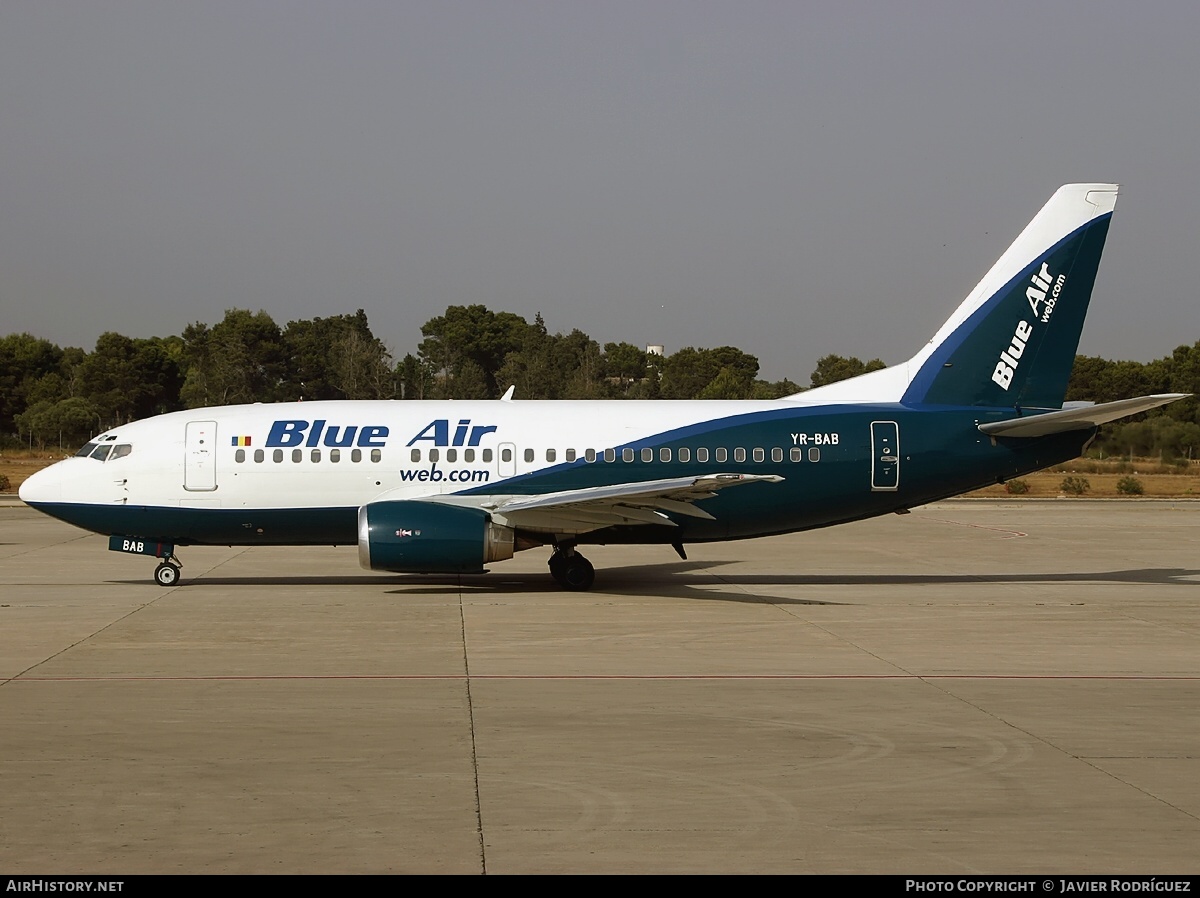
<point>415,537</point>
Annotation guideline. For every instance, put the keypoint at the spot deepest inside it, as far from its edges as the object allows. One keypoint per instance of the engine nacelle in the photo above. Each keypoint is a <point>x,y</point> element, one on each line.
<point>415,537</point>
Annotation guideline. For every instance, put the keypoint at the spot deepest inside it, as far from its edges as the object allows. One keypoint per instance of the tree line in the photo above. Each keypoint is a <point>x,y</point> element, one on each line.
<point>53,396</point>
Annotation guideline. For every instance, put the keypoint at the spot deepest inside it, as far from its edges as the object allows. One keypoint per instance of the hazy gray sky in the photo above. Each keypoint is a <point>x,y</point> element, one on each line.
<point>790,178</point>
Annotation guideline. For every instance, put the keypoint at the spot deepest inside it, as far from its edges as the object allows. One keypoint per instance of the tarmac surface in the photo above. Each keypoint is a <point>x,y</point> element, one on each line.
<point>978,687</point>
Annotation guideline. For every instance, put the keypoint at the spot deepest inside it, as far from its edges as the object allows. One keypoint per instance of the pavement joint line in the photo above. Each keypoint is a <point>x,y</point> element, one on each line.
<point>1187,678</point>
<point>462,620</point>
<point>1012,534</point>
<point>40,548</point>
<point>1080,758</point>
<point>21,674</point>
<point>847,641</point>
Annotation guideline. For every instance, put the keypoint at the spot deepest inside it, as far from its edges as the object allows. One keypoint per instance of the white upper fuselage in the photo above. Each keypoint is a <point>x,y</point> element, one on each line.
<point>349,453</point>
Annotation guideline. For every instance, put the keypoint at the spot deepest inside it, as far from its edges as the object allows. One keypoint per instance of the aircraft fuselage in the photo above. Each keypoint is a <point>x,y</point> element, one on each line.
<point>297,474</point>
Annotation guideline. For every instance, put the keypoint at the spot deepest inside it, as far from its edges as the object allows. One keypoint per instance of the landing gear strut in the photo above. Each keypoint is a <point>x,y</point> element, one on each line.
<point>571,570</point>
<point>167,573</point>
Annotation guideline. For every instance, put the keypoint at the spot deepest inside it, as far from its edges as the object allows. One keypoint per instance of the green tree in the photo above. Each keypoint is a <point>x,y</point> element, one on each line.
<point>686,373</point>
<point>239,359</point>
<point>469,383</point>
<point>362,367</point>
<point>125,379</point>
<point>833,368</point>
<point>24,359</point>
<point>1184,377</point>
<point>416,378</point>
<point>728,384</point>
<point>68,421</point>
<point>625,361</point>
<point>775,389</point>
<point>531,367</point>
<point>581,365</point>
<point>470,334</point>
<point>335,358</point>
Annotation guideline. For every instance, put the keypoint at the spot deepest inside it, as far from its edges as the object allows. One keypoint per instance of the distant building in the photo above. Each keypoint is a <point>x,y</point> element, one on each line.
<point>655,349</point>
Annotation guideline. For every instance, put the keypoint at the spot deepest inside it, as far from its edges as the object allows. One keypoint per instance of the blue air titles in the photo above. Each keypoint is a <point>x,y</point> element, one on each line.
<point>1044,291</point>
<point>1011,357</point>
<point>438,433</point>
<point>1041,287</point>
<point>304,433</point>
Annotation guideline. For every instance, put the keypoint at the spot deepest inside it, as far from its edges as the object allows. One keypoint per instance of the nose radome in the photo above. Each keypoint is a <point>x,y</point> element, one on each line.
<point>44,486</point>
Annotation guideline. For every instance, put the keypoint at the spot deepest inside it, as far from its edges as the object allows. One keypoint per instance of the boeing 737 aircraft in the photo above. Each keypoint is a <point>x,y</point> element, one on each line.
<point>447,487</point>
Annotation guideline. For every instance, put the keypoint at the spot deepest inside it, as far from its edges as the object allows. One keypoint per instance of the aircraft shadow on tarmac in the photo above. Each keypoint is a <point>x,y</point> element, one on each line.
<point>693,580</point>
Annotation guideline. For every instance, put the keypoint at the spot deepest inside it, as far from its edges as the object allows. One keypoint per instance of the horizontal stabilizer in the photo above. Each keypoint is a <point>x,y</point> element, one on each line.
<point>1076,418</point>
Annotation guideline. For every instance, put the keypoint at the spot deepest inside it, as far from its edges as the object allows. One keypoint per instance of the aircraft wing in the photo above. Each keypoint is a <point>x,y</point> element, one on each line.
<point>578,511</point>
<point>1076,418</point>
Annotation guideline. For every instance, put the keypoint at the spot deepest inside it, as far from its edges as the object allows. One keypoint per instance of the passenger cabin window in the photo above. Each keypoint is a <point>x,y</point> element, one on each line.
<point>739,454</point>
<point>376,455</point>
<point>722,455</point>
<point>797,454</point>
<point>239,456</point>
<point>611,455</point>
<point>776,454</point>
<point>277,455</point>
<point>550,455</point>
<point>759,455</point>
<point>316,455</point>
<point>451,455</point>
<point>570,455</point>
<point>814,454</point>
<point>506,455</point>
<point>434,455</point>
<point>685,454</point>
<point>589,455</point>
<point>702,455</point>
<point>468,455</point>
<point>356,455</point>
<point>259,455</point>
<point>627,454</point>
<point>647,454</point>
<point>415,455</point>
<point>335,455</point>
<point>297,455</point>
<point>528,455</point>
<point>487,454</point>
<point>664,454</point>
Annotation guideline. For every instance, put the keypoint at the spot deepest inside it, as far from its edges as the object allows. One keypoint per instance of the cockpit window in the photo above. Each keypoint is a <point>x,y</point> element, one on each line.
<point>101,451</point>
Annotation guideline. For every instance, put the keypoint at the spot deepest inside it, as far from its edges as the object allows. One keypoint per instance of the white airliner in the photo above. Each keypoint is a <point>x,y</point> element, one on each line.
<point>447,487</point>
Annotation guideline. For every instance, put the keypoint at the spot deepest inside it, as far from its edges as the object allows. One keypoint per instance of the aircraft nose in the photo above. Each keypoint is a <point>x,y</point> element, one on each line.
<point>44,486</point>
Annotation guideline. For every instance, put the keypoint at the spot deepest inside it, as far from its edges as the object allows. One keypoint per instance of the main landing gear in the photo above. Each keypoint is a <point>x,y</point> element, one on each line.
<point>571,570</point>
<point>167,573</point>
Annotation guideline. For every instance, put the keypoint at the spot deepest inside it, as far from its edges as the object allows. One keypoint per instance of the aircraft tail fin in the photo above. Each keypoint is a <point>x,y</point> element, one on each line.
<point>1012,341</point>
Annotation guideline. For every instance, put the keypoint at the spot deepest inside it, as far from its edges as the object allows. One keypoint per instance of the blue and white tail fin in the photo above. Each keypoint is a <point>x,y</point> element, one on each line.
<point>1012,341</point>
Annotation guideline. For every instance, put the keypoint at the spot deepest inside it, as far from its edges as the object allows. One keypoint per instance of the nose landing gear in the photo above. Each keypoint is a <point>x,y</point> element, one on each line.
<point>166,574</point>
<point>571,570</point>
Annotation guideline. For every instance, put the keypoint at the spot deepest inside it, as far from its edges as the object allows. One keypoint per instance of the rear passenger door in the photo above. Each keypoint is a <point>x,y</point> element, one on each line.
<point>885,456</point>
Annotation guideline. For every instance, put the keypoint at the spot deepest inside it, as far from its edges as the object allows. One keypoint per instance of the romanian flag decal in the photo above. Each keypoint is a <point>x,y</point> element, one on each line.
<point>241,441</point>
